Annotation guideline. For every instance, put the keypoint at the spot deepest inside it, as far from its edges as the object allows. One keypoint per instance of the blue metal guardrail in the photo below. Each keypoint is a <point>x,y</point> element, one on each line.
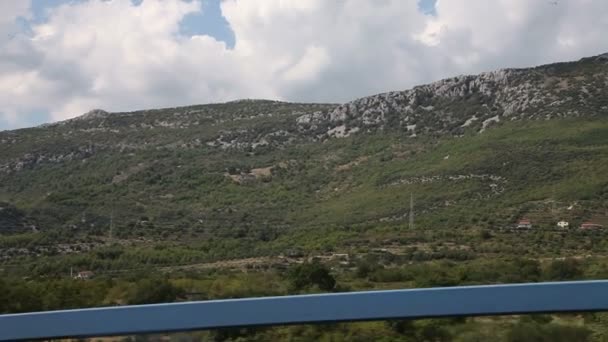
<point>353,306</point>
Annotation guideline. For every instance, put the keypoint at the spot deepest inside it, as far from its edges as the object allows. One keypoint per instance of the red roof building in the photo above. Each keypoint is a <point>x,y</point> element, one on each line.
<point>524,224</point>
<point>591,225</point>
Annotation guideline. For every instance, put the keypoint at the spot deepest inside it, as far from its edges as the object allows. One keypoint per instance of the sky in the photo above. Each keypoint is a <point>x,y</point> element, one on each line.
<point>62,58</point>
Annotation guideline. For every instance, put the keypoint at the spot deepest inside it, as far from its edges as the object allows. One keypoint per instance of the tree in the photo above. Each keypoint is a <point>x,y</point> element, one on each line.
<point>155,290</point>
<point>485,234</point>
<point>433,331</point>
<point>402,327</point>
<point>311,274</point>
<point>534,332</point>
<point>567,269</point>
<point>4,296</point>
<point>365,268</point>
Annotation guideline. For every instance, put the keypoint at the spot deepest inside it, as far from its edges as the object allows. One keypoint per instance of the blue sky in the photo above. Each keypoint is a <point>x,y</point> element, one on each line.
<point>210,22</point>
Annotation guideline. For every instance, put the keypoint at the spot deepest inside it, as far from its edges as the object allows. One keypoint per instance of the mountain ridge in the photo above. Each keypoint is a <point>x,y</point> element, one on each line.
<point>259,169</point>
<point>450,106</point>
<point>445,87</point>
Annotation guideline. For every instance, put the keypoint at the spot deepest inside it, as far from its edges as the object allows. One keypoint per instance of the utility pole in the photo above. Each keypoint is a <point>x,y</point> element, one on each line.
<point>554,217</point>
<point>553,207</point>
<point>111,223</point>
<point>411,216</point>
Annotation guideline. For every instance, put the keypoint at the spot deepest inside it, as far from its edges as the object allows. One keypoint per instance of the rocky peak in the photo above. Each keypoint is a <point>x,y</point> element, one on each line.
<point>603,57</point>
<point>93,114</point>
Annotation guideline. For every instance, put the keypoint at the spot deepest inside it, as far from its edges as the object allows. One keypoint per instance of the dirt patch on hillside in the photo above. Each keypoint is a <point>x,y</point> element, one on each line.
<point>262,172</point>
<point>348,166</point>
<point>252,175</point>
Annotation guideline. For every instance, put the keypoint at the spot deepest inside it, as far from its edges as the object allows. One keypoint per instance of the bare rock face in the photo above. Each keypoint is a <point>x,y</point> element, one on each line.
<point>603,57</point>
<point>93,114</point>
<point>470,102</point>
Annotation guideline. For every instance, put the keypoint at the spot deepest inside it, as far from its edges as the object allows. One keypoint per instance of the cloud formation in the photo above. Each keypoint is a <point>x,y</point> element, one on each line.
<point>118,55</point>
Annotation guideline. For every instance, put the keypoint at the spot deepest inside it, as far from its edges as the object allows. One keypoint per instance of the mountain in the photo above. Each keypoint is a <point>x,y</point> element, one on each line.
<point>475,151</point>
<point>454,105</point>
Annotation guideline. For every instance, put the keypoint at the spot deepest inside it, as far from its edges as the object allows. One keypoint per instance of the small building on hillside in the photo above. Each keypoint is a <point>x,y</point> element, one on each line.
<point>84,275</point>
<point>591,226</point>
<point>563,224</point>
<point>524,224</point>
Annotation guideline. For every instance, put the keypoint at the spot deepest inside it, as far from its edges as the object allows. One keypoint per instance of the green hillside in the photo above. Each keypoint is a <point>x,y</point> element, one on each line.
<point>261,172</point>
<point>257,198</point>
<point>353,186</point>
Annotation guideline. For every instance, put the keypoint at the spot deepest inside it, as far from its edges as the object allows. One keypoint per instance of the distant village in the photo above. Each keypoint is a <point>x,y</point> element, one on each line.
<point>562,224</point>
<point>554,215</point>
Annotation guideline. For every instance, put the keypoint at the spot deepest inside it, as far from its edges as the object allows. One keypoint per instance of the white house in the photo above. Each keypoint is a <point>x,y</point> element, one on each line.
<point>84,275</point>
<point>563,224</point>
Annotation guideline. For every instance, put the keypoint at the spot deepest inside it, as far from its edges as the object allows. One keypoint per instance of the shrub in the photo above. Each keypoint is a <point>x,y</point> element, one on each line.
<point>567,269</point>
<point>311,274</point>
<point>155,290</point>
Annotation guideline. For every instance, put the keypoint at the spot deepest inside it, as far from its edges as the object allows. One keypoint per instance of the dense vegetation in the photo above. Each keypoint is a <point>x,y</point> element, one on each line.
<point>332,196</point>
<point>374,271</point>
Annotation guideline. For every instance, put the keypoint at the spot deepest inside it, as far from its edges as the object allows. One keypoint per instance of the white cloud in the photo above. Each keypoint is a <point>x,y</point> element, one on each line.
<point>11,9</point>
<point>120,56</point>
<point>517,33</point>
<point>310,65</point>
